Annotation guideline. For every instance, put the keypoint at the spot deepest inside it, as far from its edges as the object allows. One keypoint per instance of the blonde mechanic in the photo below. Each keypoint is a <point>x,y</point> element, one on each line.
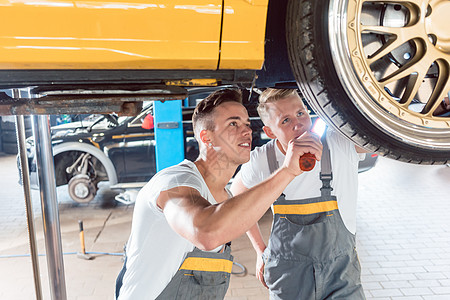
<point>184,216</point>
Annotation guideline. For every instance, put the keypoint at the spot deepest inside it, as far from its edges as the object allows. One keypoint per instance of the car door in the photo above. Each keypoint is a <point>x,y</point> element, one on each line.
<point>139,148</point>
<point>114,34</point>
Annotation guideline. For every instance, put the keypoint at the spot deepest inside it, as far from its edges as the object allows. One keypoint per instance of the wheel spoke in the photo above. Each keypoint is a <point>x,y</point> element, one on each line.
<point>440,91</point>
<point>395,47</point>
<point>396,31</point>
<point>418,3</point>
<point>412,88</point>
<point>418,64</point>
<point>392,44</point>
<point>406,70</point>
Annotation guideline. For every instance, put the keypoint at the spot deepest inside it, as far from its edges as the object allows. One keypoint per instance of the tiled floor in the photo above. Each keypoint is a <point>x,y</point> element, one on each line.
<point>404,231</point>
<point>403,238</point>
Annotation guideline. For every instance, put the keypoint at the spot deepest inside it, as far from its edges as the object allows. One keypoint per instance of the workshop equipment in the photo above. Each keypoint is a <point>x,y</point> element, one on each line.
<point>83,253</point>
<point>307,162</point>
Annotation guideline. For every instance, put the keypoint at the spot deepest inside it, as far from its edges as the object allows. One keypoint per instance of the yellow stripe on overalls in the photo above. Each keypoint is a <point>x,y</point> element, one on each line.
<point>305,209</point>
<point>207,264</point>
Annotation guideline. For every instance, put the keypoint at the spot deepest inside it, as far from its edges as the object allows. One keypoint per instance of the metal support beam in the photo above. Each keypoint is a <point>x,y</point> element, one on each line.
<point>124,100</point>
<point>49,206</point>
<point>20,128</point>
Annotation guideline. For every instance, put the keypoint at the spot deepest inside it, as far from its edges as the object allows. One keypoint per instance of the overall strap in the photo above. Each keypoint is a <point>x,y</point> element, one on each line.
<point>230,194</point>
<point>326,174</point>
<point>272,161</point>
<point>185,165</point>
<point>271,156</point>
<point>208,262</point>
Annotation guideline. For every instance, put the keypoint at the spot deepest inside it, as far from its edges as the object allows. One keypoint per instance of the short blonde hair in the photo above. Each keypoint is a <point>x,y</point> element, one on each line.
<point>271,96</point>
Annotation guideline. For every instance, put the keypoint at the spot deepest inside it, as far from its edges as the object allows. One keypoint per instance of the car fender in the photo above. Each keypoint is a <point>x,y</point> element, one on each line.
<point>75,146</point>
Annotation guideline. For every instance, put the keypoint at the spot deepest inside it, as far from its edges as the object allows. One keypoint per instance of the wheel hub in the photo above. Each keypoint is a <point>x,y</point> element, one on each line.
<point>437,24</point>
<point>81,190</point>
<point>393,61</point>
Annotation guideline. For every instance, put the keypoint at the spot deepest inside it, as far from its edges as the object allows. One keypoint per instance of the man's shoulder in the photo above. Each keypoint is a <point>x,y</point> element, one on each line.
<point>185,166</point>
<point>183,174</point>
<point>334,136</point>
<point>260,152</point>
<point>184,171</point>
<point>257,168</point>
<point>342,147</point>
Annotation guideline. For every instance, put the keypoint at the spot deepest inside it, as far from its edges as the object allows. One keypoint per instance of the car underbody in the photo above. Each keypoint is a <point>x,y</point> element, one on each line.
<point>378,76</point>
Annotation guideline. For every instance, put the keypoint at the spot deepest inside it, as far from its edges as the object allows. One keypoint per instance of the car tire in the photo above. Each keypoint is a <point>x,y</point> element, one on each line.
<point>10,148</point>
<point>1,134</point>
<point>333,82</point>
<point>9,135</point>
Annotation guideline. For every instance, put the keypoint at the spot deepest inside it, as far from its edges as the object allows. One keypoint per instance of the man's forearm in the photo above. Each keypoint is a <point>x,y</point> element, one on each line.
<point>237,215</point>
<point>255,237</point>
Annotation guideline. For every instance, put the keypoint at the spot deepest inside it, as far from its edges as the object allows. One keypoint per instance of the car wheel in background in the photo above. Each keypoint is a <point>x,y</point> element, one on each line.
<point>376,71</point>
<point>82,172</point>
<point>82,189</point>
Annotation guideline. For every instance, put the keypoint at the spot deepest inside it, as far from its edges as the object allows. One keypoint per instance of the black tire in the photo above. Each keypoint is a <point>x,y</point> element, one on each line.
<point>8,125</point>
<point>9,135</point>
<point>1,134</point>
<point>10,148</point>
<point>313,67</point>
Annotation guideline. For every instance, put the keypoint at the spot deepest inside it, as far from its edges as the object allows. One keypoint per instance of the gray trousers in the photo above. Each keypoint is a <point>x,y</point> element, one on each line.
<point>202,276</point>
<point>311,256</point>
<point>193,282</point>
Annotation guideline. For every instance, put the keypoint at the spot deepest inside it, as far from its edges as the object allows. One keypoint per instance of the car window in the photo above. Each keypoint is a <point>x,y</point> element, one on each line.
<point>144,115</point>
<point>122,119</point>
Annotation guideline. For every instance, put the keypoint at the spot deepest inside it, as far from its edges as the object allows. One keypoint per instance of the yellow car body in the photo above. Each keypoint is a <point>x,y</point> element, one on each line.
<point>377,71</point>
<point>138,34</point>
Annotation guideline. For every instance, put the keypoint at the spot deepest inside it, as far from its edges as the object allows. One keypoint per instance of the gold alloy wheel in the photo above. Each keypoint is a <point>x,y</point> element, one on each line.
<point>376,72</point>
<point>395,63</point>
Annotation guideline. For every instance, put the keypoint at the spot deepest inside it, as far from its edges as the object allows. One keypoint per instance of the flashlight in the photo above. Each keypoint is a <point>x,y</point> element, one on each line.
<point>308,160</point>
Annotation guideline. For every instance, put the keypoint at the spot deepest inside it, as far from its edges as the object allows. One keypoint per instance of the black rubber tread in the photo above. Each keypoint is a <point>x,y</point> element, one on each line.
<point>10,148</point>
<point>9,136</point>
<point>312,66</point>
<point>7,125</point>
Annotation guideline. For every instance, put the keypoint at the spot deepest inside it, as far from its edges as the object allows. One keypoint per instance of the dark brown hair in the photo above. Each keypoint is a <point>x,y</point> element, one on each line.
<point>204,110</point>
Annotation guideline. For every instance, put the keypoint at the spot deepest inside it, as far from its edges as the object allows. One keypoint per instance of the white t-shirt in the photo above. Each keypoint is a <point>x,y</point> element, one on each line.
<point>154,250</point>
<point>344,163</point>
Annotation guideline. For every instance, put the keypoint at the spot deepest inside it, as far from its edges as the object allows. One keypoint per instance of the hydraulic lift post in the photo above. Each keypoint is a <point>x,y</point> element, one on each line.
<point>169,135</point>
<point>49,206</point>
<point>20,128</point>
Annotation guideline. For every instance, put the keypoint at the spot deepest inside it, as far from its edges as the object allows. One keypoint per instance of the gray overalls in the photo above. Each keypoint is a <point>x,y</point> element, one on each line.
<point>202,275</point>
<point>311,254</point>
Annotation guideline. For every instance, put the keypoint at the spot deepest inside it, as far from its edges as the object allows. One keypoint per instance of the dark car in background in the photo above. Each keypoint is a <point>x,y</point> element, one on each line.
<point>121,150</point>
<point>104,148</point>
